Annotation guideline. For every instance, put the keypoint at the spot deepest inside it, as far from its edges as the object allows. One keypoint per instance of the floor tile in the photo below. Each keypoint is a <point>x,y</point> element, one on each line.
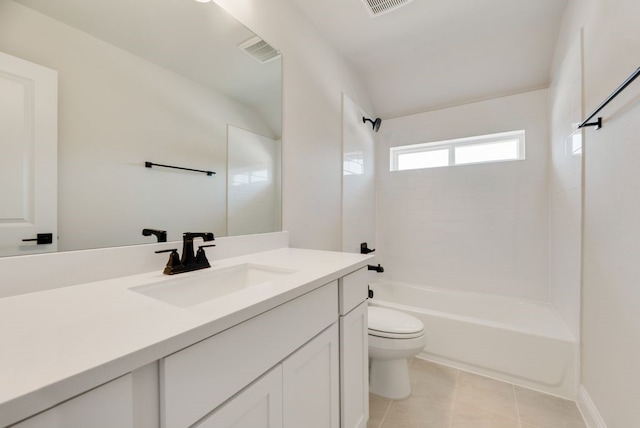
<point>378,407</point>
<point>546,411</point>
<point>417,412</point>
<point>468,416</point>
<point>432,381</point>
<point>489,394</point>
<point>443,397</point>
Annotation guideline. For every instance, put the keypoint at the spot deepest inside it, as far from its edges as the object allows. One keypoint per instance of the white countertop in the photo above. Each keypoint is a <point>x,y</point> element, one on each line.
<point>59,343</point>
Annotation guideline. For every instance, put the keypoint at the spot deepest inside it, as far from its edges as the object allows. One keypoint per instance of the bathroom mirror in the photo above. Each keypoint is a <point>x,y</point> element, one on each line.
<point>153,81</point>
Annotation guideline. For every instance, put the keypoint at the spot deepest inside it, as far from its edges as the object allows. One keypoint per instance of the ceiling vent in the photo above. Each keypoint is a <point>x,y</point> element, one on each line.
<point>380,7</point>
<point>259,50</point>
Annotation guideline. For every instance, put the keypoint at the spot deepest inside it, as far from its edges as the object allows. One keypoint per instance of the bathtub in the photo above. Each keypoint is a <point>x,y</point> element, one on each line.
<point>518,341</point>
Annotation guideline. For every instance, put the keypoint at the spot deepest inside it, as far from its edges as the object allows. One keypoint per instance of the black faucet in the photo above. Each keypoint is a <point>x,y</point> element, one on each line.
<point>189,261</point>
<point>188,257</point>
<point>161,235</point>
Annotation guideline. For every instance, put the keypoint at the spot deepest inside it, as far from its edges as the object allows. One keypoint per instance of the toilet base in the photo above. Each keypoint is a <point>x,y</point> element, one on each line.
<point>389,378</point>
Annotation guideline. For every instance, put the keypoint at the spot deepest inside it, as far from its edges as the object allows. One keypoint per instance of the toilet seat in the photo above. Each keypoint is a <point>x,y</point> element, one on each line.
<point>392,324</point>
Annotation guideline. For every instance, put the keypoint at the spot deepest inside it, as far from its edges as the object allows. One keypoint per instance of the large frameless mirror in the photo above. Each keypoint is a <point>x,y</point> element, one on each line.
<point>176,83</point>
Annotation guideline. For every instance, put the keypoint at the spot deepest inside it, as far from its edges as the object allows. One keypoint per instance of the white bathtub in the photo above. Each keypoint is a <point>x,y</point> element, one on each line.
<point>517,341</point>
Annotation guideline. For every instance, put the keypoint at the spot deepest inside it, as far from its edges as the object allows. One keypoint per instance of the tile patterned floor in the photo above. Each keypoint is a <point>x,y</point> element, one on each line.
<point>444,397</point>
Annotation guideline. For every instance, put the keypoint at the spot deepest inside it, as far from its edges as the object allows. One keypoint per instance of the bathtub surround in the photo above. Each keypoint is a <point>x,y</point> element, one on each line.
<point>479,228</point>
<point>565,188</point>
<point>358,179</point>
<point>514,340</point>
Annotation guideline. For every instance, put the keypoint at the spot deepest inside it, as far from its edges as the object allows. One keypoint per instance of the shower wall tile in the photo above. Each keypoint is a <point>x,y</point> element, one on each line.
<point>480,228</point>
<point>565,190</point>
<point>358,179</point>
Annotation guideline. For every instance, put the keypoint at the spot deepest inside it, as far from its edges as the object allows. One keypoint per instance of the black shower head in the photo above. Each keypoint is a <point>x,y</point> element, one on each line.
<point>374,123</point>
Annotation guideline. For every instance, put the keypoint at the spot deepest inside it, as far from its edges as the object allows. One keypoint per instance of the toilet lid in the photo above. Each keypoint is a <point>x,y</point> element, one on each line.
<point>383,320</point>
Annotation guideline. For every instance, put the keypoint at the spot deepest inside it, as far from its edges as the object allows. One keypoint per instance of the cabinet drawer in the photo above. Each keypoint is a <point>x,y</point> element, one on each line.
<point>353,290</point>
<point>199,378</point>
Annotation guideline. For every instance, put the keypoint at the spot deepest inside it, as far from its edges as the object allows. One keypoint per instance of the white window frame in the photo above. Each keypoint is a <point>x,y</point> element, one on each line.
<point>450,145</point>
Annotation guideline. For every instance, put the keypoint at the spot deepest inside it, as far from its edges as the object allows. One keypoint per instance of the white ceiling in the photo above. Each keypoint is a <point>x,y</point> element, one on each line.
<point>431,54</point>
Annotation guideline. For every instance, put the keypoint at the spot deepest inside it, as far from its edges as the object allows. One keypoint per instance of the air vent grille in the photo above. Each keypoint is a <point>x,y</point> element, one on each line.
<point>380,7</point>
<point>259,50</point>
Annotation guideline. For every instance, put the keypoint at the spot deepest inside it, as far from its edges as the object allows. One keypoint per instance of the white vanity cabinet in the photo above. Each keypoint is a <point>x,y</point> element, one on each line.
<point>354,359</point>
<point>292,362</point>
<point>196,380</point>
<point>107,406</point>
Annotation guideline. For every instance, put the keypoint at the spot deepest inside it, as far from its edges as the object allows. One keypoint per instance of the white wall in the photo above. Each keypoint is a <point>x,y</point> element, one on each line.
<point>480,228</point>
<point>610,271</point>
<point>358,179</point>
<point>314,77</point>
<point>117,111</point>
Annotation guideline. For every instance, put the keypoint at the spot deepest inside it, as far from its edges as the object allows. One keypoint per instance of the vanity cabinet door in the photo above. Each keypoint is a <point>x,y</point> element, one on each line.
<point>257,406</point>
<point>311,383</point>
<point>354,368</point>
<point>107,406</point>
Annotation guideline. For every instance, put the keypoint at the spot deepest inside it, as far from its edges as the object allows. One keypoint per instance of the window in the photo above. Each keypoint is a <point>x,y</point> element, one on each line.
<point>506,146</point>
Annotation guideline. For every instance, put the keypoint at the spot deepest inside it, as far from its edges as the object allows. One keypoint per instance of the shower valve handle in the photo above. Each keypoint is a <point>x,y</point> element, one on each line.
<point>365,250</point>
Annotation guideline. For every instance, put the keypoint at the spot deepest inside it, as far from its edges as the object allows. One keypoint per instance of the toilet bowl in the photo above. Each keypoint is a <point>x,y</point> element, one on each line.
<point>394,337</point>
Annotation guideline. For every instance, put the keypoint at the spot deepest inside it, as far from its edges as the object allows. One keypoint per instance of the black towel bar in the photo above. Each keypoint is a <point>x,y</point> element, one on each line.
<point>598,123</point>
<point>151,164</point>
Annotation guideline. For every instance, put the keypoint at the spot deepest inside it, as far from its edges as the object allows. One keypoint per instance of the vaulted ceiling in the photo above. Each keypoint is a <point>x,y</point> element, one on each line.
<point>430,54</point>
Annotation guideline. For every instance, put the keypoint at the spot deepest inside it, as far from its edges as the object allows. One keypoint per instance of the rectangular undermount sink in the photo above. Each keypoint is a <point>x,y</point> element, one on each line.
<point>201,286</point>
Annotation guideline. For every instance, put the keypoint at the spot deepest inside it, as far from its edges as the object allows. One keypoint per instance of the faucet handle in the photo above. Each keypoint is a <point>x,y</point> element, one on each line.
<point>201,257</point>
<point>167,251</point>
<point>174,265</point>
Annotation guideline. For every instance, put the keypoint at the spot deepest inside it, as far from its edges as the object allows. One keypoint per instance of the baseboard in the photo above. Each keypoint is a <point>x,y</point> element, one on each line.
<point>589,410</point>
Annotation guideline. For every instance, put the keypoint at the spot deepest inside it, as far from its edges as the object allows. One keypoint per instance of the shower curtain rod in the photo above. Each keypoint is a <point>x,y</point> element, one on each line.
<point>598,123</point>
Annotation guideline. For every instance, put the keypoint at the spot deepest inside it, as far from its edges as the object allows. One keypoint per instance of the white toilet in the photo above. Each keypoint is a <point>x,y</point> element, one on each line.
<point>393,338</point>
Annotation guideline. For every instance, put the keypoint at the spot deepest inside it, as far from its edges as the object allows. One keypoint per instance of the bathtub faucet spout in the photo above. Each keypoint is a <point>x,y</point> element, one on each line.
<point>378,268</point>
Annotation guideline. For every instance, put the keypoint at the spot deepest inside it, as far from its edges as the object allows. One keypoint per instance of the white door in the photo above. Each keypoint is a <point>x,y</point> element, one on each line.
<point>28,156</point>
<point>311,392</point>
<point>258,406</point>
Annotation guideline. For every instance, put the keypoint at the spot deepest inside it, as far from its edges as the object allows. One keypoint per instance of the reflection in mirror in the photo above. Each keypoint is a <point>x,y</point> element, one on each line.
<point>142,80</point>
<point>254,182</point>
